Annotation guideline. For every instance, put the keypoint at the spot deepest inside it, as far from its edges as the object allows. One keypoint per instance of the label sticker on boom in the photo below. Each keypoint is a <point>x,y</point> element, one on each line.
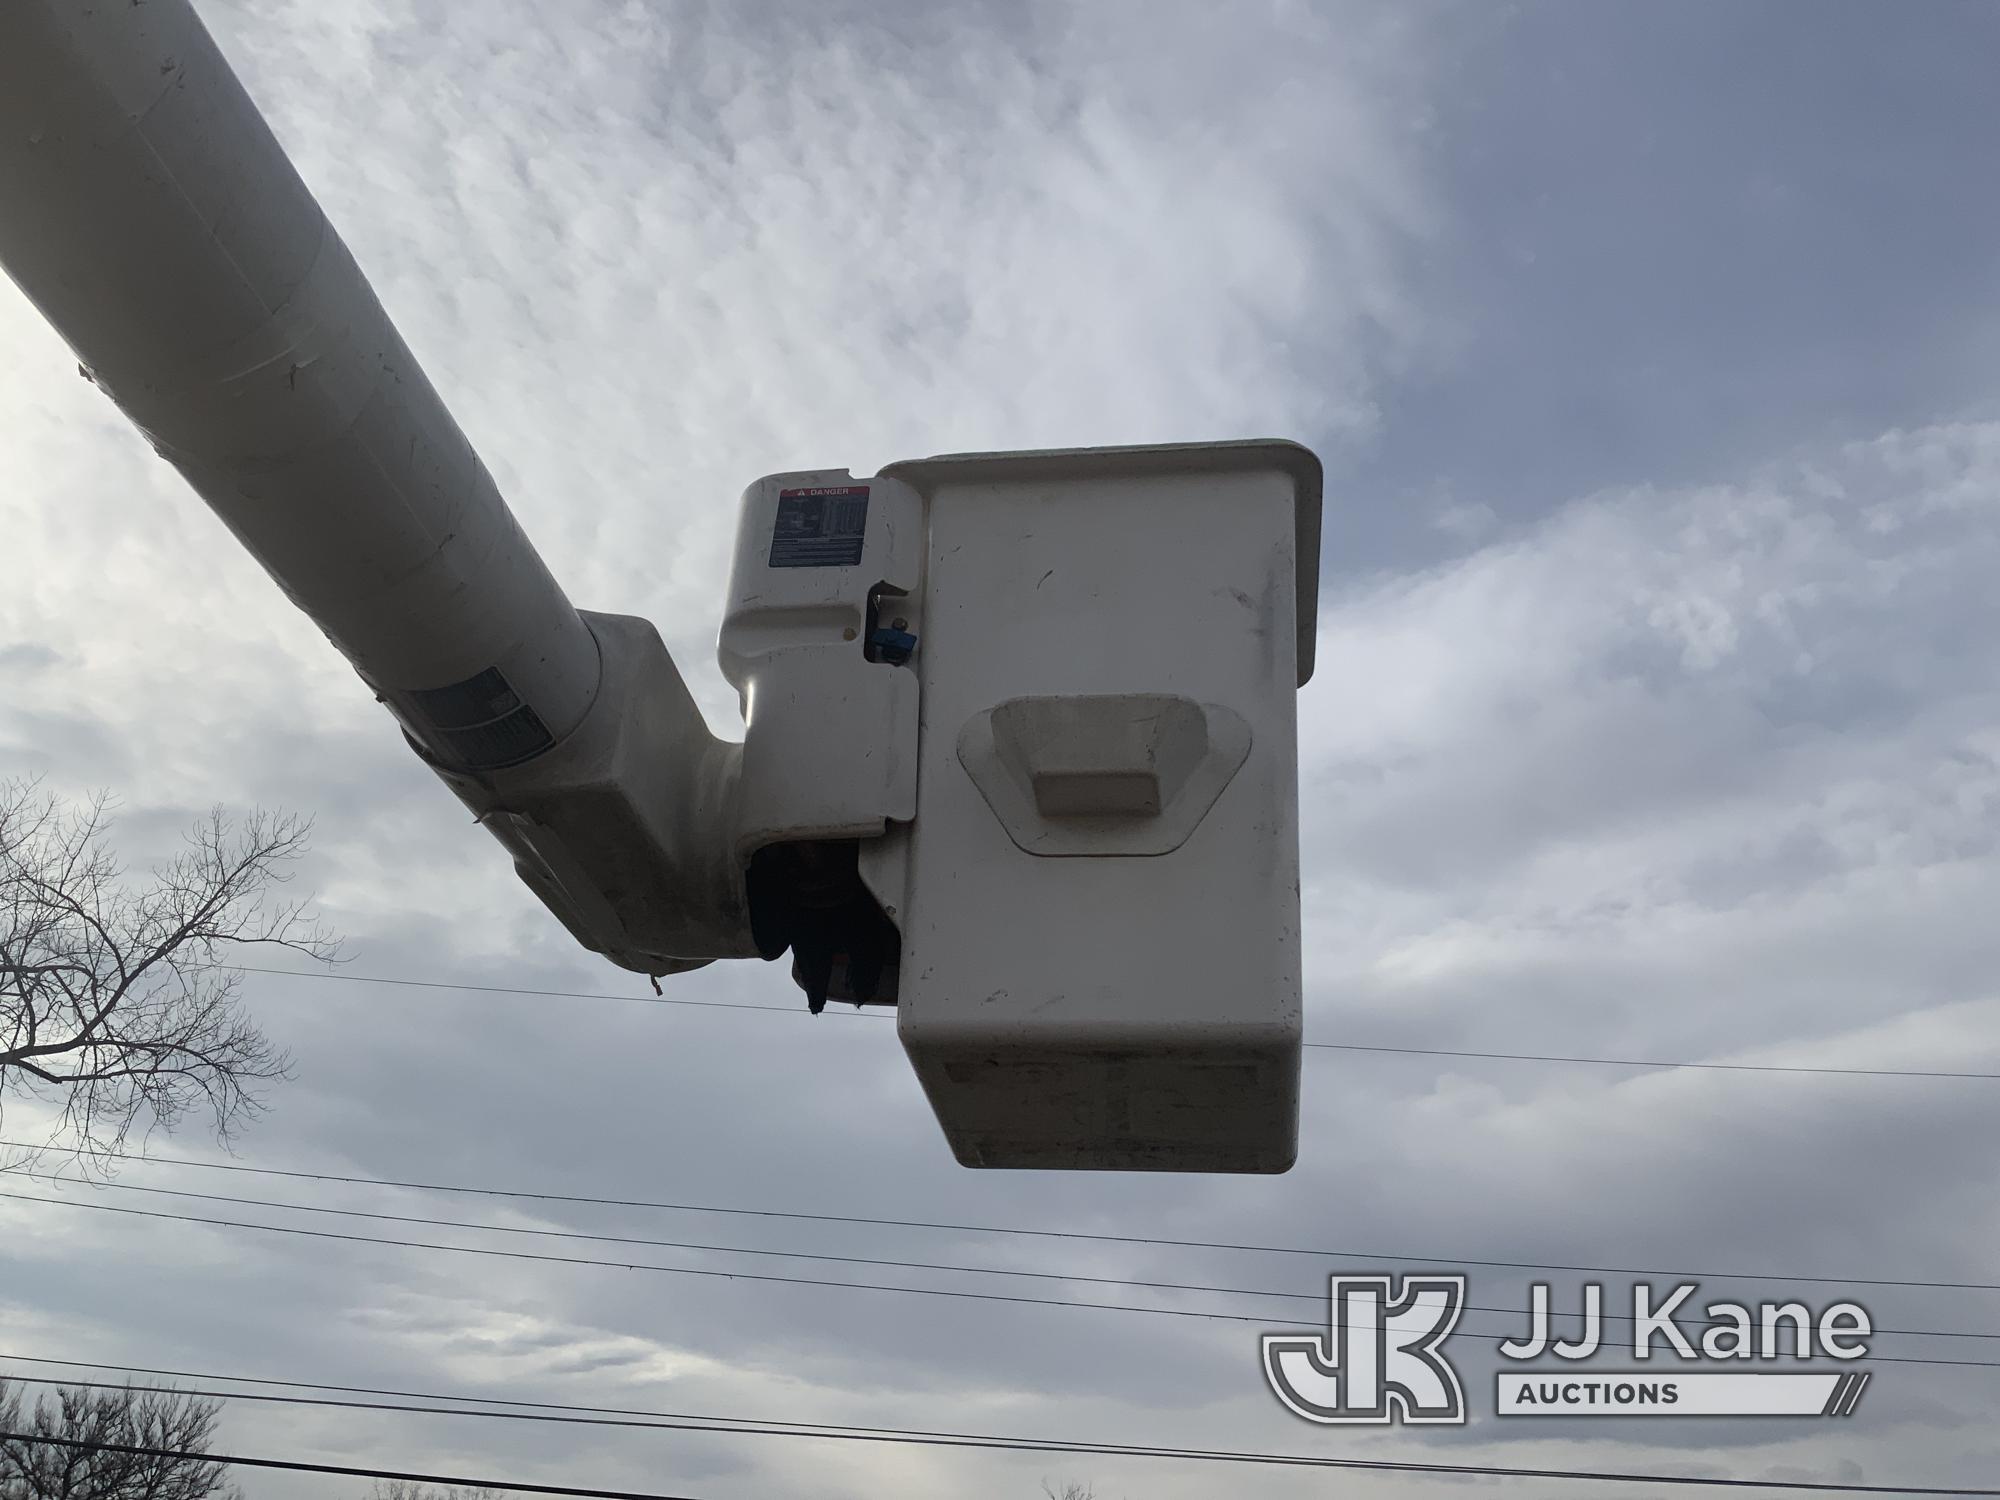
<point>820,528</point>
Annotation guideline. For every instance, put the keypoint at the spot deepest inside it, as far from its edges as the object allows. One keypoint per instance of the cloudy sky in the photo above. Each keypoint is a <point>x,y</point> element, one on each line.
<point>1651,353</point>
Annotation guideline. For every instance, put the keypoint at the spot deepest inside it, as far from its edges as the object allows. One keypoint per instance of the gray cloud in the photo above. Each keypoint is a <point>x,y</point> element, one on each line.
<point>1610,750</point>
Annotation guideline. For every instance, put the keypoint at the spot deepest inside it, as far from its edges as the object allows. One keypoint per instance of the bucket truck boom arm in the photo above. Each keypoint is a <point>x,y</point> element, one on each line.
<point>156,222</point>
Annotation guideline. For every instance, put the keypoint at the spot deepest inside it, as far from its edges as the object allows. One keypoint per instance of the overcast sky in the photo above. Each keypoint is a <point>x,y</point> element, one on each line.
<point>1650,350</point>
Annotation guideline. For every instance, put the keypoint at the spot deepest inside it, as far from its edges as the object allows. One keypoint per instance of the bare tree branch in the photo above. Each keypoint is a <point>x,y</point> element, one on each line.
<point>138,1417</point>
<point>410,1489</point>
<point>117,1000</point>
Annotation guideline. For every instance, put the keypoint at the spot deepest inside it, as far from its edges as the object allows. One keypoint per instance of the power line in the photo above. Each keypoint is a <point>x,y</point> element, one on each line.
<point>674,1421</point>
<point>814,1281</point>
<point>1374,1465</point>
<point>677,1421</point>
<point>881,1015</point>
<point>578,1260</point>
<point>501,989</point>
<point>729,1427</point>
<point>238,1461</point>
<point>864,1260</point>
<point>1637,1062</point>
<point>1088,1236</point>
<point>611,1416</point>
<point>620,1239</point>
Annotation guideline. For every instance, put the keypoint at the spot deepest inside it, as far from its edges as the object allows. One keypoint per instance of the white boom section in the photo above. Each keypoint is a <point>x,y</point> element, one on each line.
<point>148,211</point>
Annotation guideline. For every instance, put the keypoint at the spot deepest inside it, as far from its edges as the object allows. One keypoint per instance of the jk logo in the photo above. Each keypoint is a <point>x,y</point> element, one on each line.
<point>1379,1359</point>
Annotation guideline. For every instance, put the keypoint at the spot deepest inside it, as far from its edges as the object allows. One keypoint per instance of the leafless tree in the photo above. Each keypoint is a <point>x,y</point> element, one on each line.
<point>177,1426</point>
<point>409,1489</point>
<point>116,998</point>
<point>1070,1491</point>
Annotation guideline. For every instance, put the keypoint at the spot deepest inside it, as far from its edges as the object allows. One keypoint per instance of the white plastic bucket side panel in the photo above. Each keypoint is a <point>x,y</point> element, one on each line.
<point>1114,1012</point>
<point>830,737</point>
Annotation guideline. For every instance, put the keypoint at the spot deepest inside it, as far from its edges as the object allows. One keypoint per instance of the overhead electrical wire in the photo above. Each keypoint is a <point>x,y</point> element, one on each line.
<point>616,1265</point>
<point>656,1244</point>
<point>560,1411</point>
<point>865,1260</point>
<point>352,1471</point>
<point>754,1427</point>
<point>1372,1465</point>
<point>1084,1235</point>
<point>812,1281</point>
<point>722,1275</point>
<point>878,1014</point>
<point>701,1247</point>
<point>735,1428</point>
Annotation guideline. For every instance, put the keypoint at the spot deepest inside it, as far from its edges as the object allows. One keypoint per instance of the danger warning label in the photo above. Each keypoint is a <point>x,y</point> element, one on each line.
<point>820,528</point>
